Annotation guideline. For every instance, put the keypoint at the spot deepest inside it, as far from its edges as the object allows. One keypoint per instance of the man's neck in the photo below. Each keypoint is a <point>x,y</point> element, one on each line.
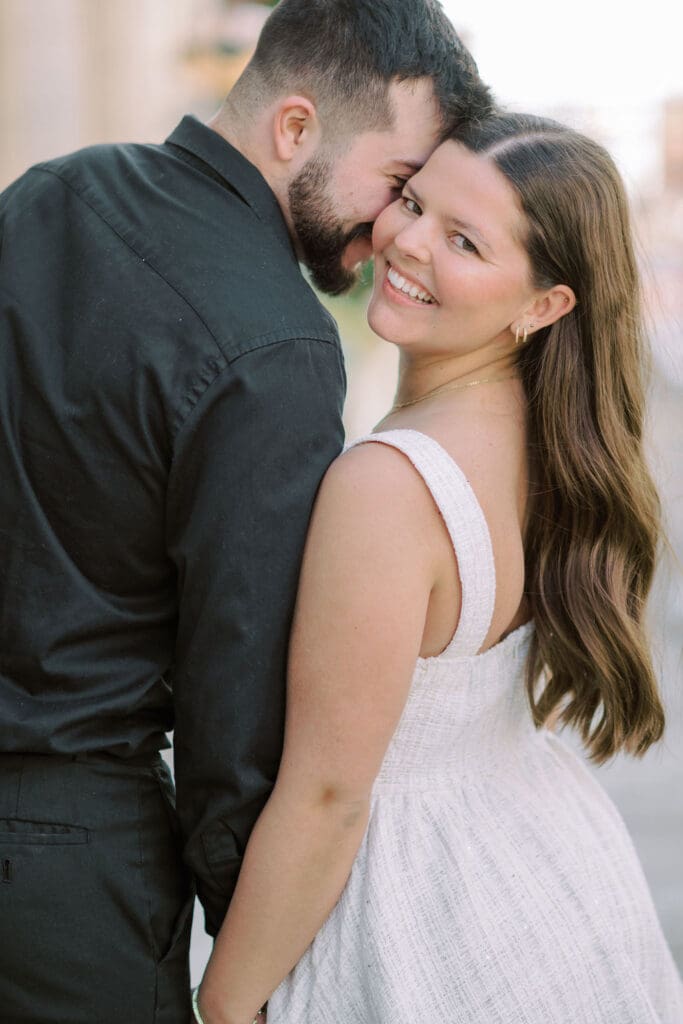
<point>228,124</point>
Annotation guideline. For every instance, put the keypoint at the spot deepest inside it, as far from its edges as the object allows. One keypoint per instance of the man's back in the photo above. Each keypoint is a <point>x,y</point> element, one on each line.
<point>170,395</point>
<point>131,281</point>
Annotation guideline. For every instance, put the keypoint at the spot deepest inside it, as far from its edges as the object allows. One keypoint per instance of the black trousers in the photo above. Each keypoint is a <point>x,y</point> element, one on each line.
<point>95,904</point>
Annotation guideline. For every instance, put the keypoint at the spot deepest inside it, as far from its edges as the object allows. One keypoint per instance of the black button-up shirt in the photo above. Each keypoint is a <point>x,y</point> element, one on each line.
<point>170,396</point>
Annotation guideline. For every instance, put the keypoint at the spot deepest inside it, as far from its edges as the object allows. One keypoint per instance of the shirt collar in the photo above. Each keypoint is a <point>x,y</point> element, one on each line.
<point>239,173</point>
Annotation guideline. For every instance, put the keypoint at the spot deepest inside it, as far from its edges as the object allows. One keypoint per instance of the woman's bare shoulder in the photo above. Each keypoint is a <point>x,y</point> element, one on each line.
<point>375,489</point>
<point>375,469</point>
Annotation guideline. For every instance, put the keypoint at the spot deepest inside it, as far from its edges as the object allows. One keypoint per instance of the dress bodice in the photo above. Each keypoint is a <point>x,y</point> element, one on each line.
<point>465,711</point>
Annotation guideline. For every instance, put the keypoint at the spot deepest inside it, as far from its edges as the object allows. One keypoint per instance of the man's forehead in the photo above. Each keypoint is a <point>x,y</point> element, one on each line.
<point>417,118</point>
<point>414,98</point>
<point>406,152</point>
<point>403,146</point>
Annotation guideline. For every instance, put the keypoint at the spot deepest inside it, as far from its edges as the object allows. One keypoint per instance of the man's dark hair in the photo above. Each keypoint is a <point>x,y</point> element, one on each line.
<point>347,52</point>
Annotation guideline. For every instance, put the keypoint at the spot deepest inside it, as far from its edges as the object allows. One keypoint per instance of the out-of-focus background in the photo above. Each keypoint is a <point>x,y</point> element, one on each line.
<point>78,72</point>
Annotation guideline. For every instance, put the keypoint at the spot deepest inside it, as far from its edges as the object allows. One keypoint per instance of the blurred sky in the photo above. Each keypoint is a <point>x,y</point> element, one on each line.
<point>602,67</point>
<point>588,51</point>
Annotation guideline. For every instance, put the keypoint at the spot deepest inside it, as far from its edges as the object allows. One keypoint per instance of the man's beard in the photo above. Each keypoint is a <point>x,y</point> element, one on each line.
<point>321,237</point>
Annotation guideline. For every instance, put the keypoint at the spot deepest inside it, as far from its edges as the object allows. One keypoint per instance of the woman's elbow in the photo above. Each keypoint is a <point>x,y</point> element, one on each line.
<point>340,804</point>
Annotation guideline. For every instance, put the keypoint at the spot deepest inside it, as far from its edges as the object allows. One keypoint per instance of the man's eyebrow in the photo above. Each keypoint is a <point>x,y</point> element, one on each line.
<point>409,165</point>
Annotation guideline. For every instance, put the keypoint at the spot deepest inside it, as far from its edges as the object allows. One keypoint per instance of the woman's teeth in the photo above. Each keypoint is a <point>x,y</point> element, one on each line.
<point>408,288</point>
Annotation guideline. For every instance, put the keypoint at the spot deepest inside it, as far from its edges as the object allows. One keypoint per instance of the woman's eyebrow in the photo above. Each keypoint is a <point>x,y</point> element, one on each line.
<point>469,229</point>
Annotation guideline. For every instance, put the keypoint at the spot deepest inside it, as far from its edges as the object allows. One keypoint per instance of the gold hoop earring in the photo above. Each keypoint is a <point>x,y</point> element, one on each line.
<point>524,331</point>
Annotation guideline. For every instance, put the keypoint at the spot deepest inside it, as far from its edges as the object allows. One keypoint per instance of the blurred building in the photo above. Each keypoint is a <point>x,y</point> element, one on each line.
<point>673,144</point>
<point>75,72</point>
<point>221,41</point>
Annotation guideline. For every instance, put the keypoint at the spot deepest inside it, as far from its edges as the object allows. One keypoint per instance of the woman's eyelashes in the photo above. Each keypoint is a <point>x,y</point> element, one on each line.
<point>460,241</point>
<point>410,205</point>
<point>463,243</point>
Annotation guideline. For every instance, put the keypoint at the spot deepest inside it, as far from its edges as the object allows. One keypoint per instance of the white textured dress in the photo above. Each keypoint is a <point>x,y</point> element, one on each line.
<point>496,883</point>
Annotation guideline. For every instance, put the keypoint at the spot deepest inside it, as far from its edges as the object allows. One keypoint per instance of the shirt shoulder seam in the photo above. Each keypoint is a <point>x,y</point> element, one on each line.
<point>253,342</point>
<point>67,184</point>
<point>260,344</point>
<point>185,424</point>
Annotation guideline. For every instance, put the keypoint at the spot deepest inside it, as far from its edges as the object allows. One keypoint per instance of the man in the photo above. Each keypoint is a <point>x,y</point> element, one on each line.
<point>170,397</point>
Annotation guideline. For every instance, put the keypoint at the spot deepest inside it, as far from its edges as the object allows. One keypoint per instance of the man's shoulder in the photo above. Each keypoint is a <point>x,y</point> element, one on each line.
<point>81,168</point>
<point>82,179</point>
<point>102,158</point>
<point>156,227</point>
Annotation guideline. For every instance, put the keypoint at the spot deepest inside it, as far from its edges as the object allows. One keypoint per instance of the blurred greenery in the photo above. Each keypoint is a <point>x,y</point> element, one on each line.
<point>349,311</point>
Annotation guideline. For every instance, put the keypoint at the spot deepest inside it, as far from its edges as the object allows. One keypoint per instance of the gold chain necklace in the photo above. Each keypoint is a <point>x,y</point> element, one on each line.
<point>452,386</point>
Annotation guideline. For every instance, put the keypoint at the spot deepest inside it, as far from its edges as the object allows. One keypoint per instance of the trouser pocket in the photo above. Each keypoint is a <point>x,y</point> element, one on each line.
<point>75,904</point>
<point>22,831</point>
<point>18,833</point>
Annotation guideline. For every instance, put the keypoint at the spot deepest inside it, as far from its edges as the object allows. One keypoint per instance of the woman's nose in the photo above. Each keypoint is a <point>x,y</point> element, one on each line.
<point>413,241</point>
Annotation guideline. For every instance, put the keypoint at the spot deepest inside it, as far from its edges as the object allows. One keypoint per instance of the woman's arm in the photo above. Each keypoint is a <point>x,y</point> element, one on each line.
<point>368,571</point>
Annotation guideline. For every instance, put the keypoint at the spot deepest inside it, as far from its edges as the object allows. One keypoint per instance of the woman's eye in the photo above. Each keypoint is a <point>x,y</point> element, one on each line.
<point>410,205</point>
<point>463,243</point>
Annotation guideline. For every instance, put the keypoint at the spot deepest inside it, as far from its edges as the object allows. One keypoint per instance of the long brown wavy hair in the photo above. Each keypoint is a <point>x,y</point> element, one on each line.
<point>593,518</point>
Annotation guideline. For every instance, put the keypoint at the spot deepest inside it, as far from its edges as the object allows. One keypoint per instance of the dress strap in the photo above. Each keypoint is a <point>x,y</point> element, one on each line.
<point>467,527</point>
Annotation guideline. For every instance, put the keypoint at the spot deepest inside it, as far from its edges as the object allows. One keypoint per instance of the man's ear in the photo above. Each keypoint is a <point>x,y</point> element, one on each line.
<point>545,310</point>
<point>296,129</point>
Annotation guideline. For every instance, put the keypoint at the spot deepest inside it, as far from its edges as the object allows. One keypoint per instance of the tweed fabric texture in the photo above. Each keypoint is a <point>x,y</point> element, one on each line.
<point>496,882</point>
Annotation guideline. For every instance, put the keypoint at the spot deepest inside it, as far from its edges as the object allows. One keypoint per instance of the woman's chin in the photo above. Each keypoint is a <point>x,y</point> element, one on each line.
<point>381,325</point>
<point>374,320</point>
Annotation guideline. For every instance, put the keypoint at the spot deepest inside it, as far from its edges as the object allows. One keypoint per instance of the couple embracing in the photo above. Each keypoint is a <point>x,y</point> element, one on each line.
<point>184,544</point>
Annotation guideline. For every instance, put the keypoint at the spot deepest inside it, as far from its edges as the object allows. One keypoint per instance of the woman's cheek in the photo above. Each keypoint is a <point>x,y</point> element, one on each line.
<point>385,228</point>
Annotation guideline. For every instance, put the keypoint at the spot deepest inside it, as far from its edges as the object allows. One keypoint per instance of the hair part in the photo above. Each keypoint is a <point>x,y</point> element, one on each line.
<point>593,519</point>
<point>344,54</point>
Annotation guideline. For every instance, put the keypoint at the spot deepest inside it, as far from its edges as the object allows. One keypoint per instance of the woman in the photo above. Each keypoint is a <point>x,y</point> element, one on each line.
<point>475,569</point>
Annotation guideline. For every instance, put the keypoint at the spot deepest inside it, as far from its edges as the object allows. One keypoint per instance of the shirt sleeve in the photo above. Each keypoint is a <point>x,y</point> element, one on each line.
<point>246,469</point>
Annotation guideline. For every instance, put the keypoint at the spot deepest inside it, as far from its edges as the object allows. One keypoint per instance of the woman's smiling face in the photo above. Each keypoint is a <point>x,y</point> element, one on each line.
<point>451,272</point>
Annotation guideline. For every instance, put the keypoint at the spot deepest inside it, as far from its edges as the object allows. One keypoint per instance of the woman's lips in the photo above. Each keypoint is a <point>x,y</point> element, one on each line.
<point>406,290</point>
